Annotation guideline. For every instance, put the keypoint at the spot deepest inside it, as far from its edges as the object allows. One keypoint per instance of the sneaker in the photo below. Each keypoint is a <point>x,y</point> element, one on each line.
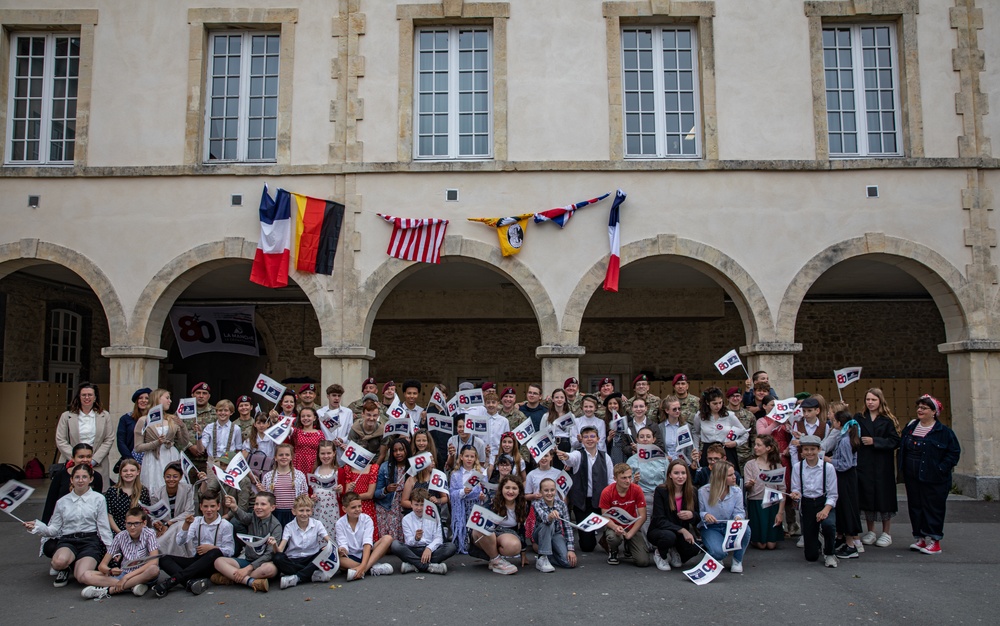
<point>198,587</point>
<point>406,568</point>
<point>160,590</point>
<point>94,593</point>
<point>437,568</point>
<point>219,579</point>
<point>801,543</point>
<point>661,564</point>
<point>674,557</point>
<point>260,585</point>
<point>291,581</point>
<point>542,565</point>
<point>62,578</point>
<point>613,557</point>
<point>918,545</point>
<point>868,538</point>
<point>846,552</point>
<point>500,565</point>
<point>933,547</point>
<point>381,569</point>
<point>884,540</point>
<point>860,546</point>
<point>140,590</point>
<point>736,567</point>
<point>351,575</point>
<point>53,571</point>
<point>830,560</point>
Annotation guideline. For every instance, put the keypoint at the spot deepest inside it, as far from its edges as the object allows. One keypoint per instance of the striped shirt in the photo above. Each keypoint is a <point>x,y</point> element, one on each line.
<point>921,431</point>
<point>134,549</point>
<point>284,490</point>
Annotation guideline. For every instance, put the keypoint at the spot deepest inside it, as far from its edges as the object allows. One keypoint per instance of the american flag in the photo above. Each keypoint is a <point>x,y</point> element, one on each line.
<point>416,239</point>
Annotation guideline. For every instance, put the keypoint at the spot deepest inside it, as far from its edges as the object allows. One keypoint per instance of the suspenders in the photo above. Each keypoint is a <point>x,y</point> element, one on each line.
<point>802,483</point>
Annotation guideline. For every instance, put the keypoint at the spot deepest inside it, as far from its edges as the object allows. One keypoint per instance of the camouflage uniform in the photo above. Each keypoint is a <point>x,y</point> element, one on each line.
<point>745,452</point>
<point>356,406</point>
<point>516,418</point>
<point>652,407</point>
<point>574,405</point>
<point>689,408</point>
<point>195,427</point>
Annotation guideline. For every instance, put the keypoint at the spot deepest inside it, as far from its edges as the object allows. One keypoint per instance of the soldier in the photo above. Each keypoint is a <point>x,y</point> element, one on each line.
<point>689,403</point>
<point>572,389</point>
<point>307,397</point>
<point>605,389</point>
<point>368,386</point>
<point>734,401</point>
<point>205,415</point>
<point>641,386</point>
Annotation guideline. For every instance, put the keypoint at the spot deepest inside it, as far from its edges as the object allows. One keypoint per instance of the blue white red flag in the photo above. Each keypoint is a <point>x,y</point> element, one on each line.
<point>614,233</point>
<point>561,215</point>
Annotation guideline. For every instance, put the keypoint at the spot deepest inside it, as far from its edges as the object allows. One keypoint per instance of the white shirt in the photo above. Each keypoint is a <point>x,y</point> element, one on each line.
<point>414,414</point>
<point>716,430</point>
<point>304,542</point>
<point>473,441</point>
<point>355,539</point>
<point>802,427</point>
<point>596,422</point>
<point>219,534</point>
<point>498,425</point>
<point>78,514</point>
<point>535,477</point>
<point>345,419</point>
<point>812,476</point>
<point>216,436</point>
<point>573,463</point>
<point>88,427</point>
<point>431,538</point>
<point>669,432</point>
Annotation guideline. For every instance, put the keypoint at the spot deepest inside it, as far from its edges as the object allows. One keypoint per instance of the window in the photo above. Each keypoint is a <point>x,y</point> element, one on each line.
<point>661,97</point>
<point>453,75</point>
<point>65,349</point>
<point>242,115</point>
<point>44,81</point>
<point>862,90</point>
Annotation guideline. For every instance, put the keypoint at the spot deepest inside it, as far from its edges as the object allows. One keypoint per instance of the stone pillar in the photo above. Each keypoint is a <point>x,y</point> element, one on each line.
<point>777,358</point>
<point>347,365</point>
<point>132,367</point>
<point>558,364</point>
<point>973,368</point>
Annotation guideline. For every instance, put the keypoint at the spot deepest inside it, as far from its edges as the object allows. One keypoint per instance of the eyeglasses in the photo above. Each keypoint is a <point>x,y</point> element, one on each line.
<point>133,524</point>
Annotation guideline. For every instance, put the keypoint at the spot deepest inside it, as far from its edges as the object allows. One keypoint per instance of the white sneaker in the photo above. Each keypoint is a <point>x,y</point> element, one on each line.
<point>868,538</point>
<point>500,565</point>
<point>406,568</point>
<point>140,590</point>
<point>319,576</point>
<point>860,546</point>
<point>94,593</point>
<point>736,567</point>
<point>351,574</point>
<point>381,569</point>
<point>289,581</point>
<point>830,561</point>
<point>437,568</point>
<point>674,557</point>
<point>542,565</point>
<point>661,564</point>
<point>801,543</point>
<point>884,540</point>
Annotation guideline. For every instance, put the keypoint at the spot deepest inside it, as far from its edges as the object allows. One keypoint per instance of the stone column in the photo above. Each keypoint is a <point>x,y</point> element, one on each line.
<point>347,365</point>
<point>558,364</point>
<point>777,358</point>
<point>975,414</point>
<point>132,367</point>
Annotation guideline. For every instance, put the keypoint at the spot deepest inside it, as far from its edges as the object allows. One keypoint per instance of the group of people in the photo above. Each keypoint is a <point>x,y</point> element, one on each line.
<point>303,512</point>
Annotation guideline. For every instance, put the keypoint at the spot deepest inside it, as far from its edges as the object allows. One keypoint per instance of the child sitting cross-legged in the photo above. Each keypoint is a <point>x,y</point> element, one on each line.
<point>358,553</point>
<point>136,541</point>
<point>256,567</point>
<point>424,550</point>
<point>212,537</point>
<point>301,542</point>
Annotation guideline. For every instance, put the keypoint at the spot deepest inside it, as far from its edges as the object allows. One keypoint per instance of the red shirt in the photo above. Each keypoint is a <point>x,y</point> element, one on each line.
<point>631,502</point>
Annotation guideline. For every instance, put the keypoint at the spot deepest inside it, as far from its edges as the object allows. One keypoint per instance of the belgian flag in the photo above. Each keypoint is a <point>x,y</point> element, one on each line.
<point>316,233</point>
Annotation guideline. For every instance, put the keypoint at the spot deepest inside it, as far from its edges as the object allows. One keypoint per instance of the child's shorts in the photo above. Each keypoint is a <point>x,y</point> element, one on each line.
<point>83,545</point>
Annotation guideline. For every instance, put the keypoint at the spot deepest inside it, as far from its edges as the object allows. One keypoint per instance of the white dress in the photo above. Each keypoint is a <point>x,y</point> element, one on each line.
<point>153,464</point>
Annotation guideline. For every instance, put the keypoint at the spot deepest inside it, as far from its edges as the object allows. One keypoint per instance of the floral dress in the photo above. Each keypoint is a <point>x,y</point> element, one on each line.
<point>347,474</point>
<point>327,508</point>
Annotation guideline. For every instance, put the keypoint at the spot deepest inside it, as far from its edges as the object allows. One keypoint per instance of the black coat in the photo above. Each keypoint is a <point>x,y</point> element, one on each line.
<point>666,519</point>
<point>941,452</point>
<point>877,465</point>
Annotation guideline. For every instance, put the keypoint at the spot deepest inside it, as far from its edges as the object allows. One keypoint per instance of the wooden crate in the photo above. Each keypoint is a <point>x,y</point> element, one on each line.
<point>29,412</point>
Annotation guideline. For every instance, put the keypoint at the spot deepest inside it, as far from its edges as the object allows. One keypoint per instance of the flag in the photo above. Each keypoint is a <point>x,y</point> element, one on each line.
<point>728,361</point>
<point>735,531</point>
<point>771,497</point>
<point>705,572</point>
<point>847,376</point>
<point>13,494</point>
<point>510,230</point>
<point>416,240</point>
<point>270,262</point>
<point>316,233</point>
<point>561,215</point>
<point>614,233</point>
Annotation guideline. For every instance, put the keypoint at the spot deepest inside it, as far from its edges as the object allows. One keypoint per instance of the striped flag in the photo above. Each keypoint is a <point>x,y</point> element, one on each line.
<point>316,234</point>
<point>416,240</point>
<point>561,215</point>
<point>270,262</point>
<point>614,233</point>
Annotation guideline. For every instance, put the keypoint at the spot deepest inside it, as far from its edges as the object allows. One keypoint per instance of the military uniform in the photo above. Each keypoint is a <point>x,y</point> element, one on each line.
<point>195,427</point>
<point>516,418</point>
<point>652,407</point>
<point>689,408</point>
<point>745,452</point>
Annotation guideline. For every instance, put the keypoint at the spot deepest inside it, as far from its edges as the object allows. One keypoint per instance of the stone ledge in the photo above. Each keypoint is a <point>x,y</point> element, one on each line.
<point>560,352</point>
<point>344,352</point>
<point>139,352</point>
<point>970,345</point>
<point>978,487</point>
<point>770,347</point>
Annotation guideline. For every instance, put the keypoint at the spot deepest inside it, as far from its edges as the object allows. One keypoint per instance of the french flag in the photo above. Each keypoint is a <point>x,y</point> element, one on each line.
<point>614,233</point>
<point>270,263</point>
<point>561,215</point>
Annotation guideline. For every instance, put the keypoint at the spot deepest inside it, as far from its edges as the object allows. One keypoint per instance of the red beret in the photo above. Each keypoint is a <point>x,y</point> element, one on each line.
<point>244,398</point>
<point>732,391</point>
<point>387,385</point>
<point>507,390</point>
<point>308,387</point>
<point>201,387</point>
<point>638,378</point>
<point>606,380</point>
<point>488,385</point>
<point>680,377</point>
<point>572,380</point>
<point>366,382</point>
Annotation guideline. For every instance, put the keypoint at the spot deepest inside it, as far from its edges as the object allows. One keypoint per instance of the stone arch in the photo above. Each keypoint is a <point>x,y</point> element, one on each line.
<point>27,252</point>
<point>163,289</point>
<point>723,269</point>
<point>456,248</point>
<point>943,281</point>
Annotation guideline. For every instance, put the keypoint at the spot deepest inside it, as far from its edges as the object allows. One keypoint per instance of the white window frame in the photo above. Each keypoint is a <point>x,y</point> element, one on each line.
<point>454,95</point>
<point>659,95</point>
<point>48,79</point>
<point>859,91</point>
<point>243,113</point>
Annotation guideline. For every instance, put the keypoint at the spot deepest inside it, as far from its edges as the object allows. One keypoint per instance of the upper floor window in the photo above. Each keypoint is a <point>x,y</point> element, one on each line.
<point>660,83</point>
<point>453,93</point>
<point>44,76</point>
<point>242,115</point>
<point>862,90</point>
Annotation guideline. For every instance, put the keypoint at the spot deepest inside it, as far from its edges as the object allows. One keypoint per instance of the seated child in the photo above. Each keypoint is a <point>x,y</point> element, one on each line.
<point>301,542</point>
<point>256,566</point>
<point>213,538</point>
<point>354,537</point>
<point>135,542</point>
<point>552,531</point>
<point>628,496</point>
<point>423,537</point>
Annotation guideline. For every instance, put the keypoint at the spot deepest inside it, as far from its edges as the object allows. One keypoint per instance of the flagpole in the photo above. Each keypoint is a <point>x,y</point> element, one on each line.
<point>15,517</point>
<point>838,386</point>
<point>745,371</point>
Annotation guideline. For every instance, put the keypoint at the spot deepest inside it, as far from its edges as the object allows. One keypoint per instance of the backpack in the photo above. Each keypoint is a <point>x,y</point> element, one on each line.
<point>9,471</point>
<point>34,469</point>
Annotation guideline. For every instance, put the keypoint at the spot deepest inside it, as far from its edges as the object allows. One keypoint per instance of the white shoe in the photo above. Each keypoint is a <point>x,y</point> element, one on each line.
<point>884,540</point>
<point>406,568</point>
<point>351,574</point>
<point>319,576</point>
<point>868,538</point>
<point>674,557</point>
<point>94,593</point>
<point>860,546</point>
<point>661,564</point>
<point>736,567</point>
<point>801,543</point>
<point>140,590</point>
<point>830,561</point>
<point>381,569</point>
<point>289,581</point>
<point>437,568</point>
<point>499,565</point>
<point>542,565</point>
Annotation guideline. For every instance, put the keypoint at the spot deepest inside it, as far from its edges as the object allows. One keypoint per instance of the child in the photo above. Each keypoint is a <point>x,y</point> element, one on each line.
<point>497,424</point>
<point>675,514</point>
<point>765,524</point>
<point>508,537</point>
<point>389,490</point>
<point>647,473</point>
<point>255,568</point>
<point>213,538</point>
<point>720,501</point>
<point>533,483</point>
<point>222,439</point>
<point>714,423</point>
<point>258,449</point>
<point>301,542</point>
<point>618,444</point>
<point>459,441</point>
<point>714,454</point>
<point>358,553</point>
<point>464,497</point>
<point>285,482</point>
<point>422,536</point>
<point>845,461</point>
<point>628,496</point>
<point>135,542</point>
<point>60,483</point>
<point>552,531</point>
<point>592,472</point>
<point>126,494</point>
<point>327,500</point>
<point>508,448</point>
<point>810,424</point>
<point>814,486</point>
<point>589,419</point>
<point>306,438</point>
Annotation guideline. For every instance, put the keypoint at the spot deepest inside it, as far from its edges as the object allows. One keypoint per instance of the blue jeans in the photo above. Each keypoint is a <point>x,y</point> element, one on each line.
<point>551,544</point>
<point>712,536</point>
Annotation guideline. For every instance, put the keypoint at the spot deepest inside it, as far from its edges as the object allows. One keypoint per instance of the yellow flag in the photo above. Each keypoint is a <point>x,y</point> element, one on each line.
<point>510,231</point>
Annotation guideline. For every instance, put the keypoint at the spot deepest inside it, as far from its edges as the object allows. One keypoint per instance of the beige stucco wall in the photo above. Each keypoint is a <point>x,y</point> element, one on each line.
<point>937,39</point>
<point>989,43</point>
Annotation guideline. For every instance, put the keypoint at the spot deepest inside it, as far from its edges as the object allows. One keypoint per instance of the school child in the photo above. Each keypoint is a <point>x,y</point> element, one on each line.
<point>533,483</point>
<point>422,442</point>
<point>179,497</point>
<point>126,494</point>
<point>509,449</point>
<point>508,537</point>
<point>714,423</point>
<point>256,566</point>
<point>814,486</point>
<point>618,444</point>
<point>552,531</point>
<point>765,523</point>
<point>459,441</point>
<point>327,500</point>
<point>718,502</point>
<point>423,548</point>
<point>342,415</point>
<point>135,542</point>
<point>592,471</point>
<point>463,497</point>
<point>213,537</point>
<point>675,515</point>
<point>222,439</point>
<point>301,542</point>
<point>60,483</point>
<point>306,437</point>
<point>497,424</point>
<point>812,423</point>
<point>389,490</point>
<point>647,473</point>
<point>714,454</point>
<point>589,419</point>
<point>628,496</point>
<point>258,449</point>
<point>358,553</point>
<point>845,461</point>
<point>285,482</point>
